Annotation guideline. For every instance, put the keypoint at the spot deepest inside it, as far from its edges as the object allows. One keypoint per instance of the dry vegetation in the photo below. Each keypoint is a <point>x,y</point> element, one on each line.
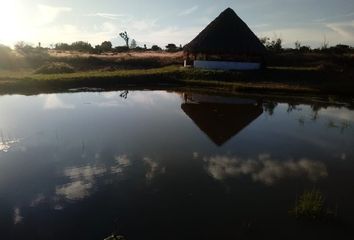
<point>288,71</point>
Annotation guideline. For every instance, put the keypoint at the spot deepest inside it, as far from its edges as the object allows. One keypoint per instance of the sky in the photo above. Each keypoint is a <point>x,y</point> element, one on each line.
<point>312,22</point>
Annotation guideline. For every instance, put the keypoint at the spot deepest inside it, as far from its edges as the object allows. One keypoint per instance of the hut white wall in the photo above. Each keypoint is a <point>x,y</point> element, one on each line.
<point>226,65</point>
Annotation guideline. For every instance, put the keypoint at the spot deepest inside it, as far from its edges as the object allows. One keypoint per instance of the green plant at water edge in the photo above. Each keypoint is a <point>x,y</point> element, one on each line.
<point>312,206</point>
<point>115,237</point>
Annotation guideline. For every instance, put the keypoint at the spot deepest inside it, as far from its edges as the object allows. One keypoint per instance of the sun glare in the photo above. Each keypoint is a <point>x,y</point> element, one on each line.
<point>10,20</point>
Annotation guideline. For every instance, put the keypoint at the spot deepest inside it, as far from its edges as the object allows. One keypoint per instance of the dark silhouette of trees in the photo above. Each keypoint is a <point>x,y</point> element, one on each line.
<point>120,49</point>
<point>171,47</point>
<point>272,45</point>
<point>76,46</point>
<point>155,48</point>
<point>125,37</point>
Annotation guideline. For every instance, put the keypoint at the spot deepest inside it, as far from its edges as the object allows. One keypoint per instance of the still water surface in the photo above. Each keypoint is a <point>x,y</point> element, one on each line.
<point>165,165</point>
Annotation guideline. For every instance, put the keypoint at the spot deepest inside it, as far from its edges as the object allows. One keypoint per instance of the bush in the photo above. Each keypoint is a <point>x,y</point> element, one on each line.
<point>55,68</point>
<point>155,48</point>
<point>7,57</point>
<point>81,46</point>
<point>121,49</point>
<point>329,67</point>
<point>33,56</point>
<point>171,47</point>
<point>62,47</point>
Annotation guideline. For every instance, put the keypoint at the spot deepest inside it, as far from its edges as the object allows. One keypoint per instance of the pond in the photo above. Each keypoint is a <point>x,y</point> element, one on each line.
<point>173,165</point>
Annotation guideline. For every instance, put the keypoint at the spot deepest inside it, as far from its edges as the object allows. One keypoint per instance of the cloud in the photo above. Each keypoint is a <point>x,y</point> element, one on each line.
<point>312,35</point>
<point>264,169</point>
<point>6,145</point>
<point>344,29</point>
<point>17,216</point>
<point>122,162</point>
<point>40,198</point>
<point>110,16</point>
<point>188,11</point>
<point>339,114</point>
<point>75,190</point>
<point>47,14</point>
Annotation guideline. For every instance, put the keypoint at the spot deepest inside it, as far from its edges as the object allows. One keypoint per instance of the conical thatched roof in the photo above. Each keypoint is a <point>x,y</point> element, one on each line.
<point>227,34</point>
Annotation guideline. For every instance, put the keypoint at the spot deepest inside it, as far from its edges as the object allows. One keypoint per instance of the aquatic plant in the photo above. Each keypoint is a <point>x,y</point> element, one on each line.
<point>311,205</point>
<point>115,237</point>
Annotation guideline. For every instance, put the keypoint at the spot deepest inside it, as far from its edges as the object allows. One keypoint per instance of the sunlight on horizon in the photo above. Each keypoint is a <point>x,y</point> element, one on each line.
<point>11,21</point>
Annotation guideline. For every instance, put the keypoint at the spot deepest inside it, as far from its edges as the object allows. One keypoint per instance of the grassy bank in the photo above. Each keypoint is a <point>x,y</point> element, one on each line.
<point>280,80</point>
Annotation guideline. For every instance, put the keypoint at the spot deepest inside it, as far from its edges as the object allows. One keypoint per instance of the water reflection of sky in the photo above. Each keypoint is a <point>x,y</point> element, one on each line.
<point>86,156</point>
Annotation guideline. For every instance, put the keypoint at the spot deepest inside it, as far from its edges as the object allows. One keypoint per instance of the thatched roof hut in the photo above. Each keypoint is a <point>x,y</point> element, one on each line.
<point>227,38</point>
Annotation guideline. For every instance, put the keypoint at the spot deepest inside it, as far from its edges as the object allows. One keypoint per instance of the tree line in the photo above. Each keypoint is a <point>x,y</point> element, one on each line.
<point>107,46</point>
<point>276,45</point>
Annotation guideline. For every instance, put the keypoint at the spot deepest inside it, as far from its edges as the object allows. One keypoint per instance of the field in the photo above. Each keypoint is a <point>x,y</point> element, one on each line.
<point>57,71</point>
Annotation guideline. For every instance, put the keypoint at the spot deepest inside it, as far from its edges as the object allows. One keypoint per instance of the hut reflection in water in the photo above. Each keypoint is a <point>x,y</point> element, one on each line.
<point>220,118</point>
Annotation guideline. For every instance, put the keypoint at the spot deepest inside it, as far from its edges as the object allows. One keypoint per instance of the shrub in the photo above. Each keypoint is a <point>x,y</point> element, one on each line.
<point>55,68</point>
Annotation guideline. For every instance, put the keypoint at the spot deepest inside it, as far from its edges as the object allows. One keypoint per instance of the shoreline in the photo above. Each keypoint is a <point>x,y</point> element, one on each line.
<point>283,81</point>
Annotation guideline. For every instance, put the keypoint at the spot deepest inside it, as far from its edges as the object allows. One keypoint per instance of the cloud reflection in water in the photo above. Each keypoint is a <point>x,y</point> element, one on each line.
<point>153,168</point>
<point>53,102</point>
<point>5,145</point>
<point>82,181</point>
<point>264,169</point>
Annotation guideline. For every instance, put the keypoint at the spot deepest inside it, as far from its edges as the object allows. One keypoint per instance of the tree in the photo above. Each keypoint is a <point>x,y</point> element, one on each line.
<point>81,46</point>
<point>297,45</point>
<point>171,47</point>
<point>125,37</point>
<point>133,44</point>
<point>106,46</point>
<point>155,48</point>
<point>272,45</point>
<point>24,48</point>
<point>62,47</point>
<point>325,44</point>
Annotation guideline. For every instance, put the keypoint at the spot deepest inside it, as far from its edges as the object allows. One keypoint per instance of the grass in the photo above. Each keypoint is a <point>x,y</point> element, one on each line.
<point>282,80</point>
<point>286,75</point>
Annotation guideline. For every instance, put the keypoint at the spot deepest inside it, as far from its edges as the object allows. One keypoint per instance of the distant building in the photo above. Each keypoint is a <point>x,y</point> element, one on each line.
<point>226,43</point>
